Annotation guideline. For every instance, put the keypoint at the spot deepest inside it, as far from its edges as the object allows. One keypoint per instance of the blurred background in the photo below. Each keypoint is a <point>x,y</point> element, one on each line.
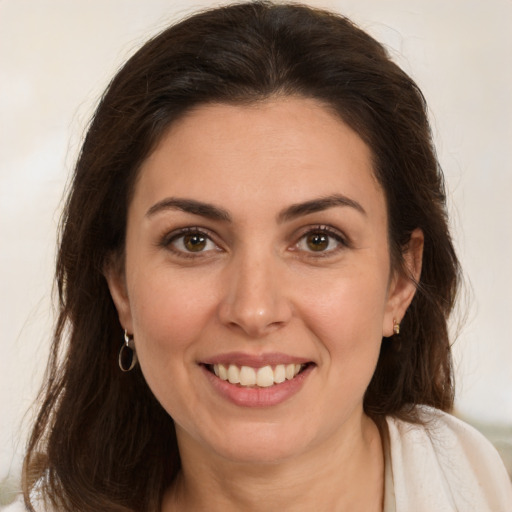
<point>56,57</point>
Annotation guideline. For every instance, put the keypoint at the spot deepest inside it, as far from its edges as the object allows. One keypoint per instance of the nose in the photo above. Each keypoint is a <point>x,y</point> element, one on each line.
<point>255,299</point>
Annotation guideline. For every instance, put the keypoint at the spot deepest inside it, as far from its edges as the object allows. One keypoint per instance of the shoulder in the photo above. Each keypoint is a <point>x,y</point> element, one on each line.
<point>19,506</point>
<point>15,506</point>
<point>36,498</point>
<point>446,464</point>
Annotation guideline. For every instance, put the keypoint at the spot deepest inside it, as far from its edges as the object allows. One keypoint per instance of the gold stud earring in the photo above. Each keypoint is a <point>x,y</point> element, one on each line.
<point>396,327</point>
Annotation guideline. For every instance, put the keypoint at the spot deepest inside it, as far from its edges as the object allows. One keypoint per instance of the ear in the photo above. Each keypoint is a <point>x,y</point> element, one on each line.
<point>403,283</point>
<point>115,276</point>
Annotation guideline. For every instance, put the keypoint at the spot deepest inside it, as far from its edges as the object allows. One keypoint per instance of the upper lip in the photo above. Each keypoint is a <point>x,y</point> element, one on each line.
<point>255,361</point>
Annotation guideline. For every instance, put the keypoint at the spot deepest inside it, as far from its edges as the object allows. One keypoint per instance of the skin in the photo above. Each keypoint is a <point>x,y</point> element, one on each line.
<point>257,285</point>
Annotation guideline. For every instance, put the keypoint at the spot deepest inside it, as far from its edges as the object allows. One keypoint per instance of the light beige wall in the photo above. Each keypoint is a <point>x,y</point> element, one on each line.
<point>57,55</point>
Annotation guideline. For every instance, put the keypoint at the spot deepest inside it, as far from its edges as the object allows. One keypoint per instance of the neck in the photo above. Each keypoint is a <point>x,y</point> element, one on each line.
<point>344,474</point>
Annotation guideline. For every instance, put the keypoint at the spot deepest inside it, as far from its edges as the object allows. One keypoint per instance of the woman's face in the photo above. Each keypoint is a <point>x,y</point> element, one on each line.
<point>257,248</point>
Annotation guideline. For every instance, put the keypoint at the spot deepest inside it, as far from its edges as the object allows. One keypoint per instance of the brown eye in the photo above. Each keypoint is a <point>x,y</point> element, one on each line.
<point>195,242</point>
<point>322,240</point>
<point>191,242</point>
<point>317,241</point>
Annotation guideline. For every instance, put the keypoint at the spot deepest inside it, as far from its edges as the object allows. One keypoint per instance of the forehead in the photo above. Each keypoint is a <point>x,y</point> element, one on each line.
<point>288,149</point>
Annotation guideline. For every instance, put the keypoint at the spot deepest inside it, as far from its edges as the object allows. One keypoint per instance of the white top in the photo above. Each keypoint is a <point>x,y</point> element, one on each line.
<point>442,466</point>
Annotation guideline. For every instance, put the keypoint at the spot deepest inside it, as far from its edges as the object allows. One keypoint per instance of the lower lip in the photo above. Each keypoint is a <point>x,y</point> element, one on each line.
<point>256,396</point>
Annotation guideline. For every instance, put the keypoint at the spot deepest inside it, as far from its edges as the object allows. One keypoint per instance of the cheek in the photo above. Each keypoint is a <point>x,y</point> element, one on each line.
<point>169,315</point>
<point>346,314</point>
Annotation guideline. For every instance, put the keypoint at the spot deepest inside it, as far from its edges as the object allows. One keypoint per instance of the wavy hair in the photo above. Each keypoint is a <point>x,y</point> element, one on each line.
<point>101,440</point>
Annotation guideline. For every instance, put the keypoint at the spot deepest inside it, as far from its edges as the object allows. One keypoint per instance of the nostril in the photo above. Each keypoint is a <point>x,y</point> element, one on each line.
<point>255,308</point>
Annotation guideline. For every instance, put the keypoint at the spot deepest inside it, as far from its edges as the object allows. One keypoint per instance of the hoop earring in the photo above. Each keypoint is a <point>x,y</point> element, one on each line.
<point>127,356</point>
<point>396,327</point>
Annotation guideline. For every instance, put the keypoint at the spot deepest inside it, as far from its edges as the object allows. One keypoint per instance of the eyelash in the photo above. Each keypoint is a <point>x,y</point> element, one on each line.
<point>330,232</point>
<point>169,239</point>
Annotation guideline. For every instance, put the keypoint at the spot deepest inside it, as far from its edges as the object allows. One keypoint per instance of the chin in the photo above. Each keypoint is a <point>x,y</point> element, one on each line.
<point>263,444</point>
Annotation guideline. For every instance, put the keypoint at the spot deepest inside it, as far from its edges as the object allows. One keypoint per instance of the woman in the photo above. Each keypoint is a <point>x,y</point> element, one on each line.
<point>255,276</point>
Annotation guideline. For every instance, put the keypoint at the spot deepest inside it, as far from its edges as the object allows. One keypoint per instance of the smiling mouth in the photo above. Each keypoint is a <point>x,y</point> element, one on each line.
<point>264,377</point>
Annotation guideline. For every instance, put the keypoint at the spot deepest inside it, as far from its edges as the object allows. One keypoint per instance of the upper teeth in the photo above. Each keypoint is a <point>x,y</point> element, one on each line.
<point>262,377</point>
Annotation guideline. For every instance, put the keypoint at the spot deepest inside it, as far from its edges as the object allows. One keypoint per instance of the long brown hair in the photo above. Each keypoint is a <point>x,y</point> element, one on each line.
<point>101,440</point>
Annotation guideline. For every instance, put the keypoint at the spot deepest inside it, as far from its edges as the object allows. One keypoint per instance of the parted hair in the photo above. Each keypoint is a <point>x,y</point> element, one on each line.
<point>101,440</point>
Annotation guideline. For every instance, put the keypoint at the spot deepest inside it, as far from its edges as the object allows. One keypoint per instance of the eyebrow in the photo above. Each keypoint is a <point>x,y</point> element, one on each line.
<point>318,205</point>
<point>190,206</point>
<point>216,213</point>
